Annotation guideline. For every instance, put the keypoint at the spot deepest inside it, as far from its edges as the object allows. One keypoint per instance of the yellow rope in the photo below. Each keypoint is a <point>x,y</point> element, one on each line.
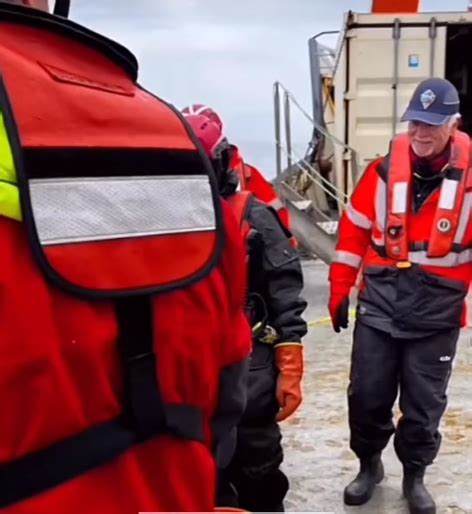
<point>327,320</point>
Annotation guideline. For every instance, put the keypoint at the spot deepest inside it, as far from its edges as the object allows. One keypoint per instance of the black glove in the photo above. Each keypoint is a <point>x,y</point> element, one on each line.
<point>340,314</point>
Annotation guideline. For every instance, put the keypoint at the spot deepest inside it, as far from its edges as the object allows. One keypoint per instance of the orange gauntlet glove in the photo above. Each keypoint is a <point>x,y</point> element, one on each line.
<point>289,361</point>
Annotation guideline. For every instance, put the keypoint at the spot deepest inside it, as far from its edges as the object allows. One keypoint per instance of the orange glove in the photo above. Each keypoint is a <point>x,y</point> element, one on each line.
<point>289,360</point>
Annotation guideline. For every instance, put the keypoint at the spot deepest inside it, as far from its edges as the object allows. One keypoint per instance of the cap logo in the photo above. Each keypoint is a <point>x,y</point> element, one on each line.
<point>427,98</point>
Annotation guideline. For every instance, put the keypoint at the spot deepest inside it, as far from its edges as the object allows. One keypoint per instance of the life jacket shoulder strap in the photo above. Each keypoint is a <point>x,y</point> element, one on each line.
<point>451,197</point>
<point>383,167</point>
<point>145,416</point>
<point>398,193</point>
<point>239,203</point>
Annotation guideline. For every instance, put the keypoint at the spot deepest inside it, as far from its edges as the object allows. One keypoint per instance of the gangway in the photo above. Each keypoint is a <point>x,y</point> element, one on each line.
<point>315,203</point>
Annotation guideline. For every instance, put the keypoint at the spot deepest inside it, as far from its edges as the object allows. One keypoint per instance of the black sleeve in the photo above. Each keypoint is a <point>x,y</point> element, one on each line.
<point>282,273</point>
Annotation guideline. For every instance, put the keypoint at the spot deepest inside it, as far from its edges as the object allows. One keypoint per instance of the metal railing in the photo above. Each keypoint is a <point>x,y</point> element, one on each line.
<point>282,96</point>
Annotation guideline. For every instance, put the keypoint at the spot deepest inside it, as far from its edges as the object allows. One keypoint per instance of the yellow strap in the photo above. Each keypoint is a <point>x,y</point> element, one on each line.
<point>9,193</point>
<point>10,201</point>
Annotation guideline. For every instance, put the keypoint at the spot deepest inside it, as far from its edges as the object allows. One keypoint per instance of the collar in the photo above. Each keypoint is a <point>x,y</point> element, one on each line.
<point>430,168</point>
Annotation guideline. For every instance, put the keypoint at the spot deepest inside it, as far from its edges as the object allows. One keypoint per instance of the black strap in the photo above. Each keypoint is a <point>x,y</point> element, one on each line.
<point>454,174</point>
<point>383,168</point>
<point>143,402</point>
<point>420,246</point>
<point>380,249</point>
<point>145,416</point>
<point>63,461</point>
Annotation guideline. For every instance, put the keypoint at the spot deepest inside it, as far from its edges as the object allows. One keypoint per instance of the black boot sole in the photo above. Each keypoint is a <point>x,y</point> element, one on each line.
<point>431,510</point>
<point>414,510</point>
<point>356,500</point>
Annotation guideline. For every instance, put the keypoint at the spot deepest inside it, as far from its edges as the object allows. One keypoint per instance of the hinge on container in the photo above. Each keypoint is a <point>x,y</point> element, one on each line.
<point>433,29</point>
<point>396,32</point>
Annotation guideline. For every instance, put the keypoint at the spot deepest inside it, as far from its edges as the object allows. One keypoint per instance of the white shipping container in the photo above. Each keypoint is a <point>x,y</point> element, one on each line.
<point>382,59</point>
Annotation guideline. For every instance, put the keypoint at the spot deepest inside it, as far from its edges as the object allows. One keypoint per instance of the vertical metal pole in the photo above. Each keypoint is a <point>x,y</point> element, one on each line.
<point>278,148</point>
<point>433,32</point>
<point>396,48</point>
<point>316,81</point>
<point>288,131</point>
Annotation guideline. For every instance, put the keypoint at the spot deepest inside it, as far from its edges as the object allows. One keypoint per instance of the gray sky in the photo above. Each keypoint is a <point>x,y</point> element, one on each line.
<point>227,54</point>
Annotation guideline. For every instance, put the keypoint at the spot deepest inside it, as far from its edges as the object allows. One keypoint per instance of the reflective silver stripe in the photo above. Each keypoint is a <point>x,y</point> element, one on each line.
<point>276,204</point>
<point>449,261</point>
<point>463,218</point>
<point>381,204</point>
<point>400,197</point>
<point>359,219</point>
<point>379,241</point>
<point>93,209</point>
<point>447,196</point>
<point>349,258</point>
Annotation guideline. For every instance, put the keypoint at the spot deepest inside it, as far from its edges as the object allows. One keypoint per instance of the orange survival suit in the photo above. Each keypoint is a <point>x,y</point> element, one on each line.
<point>118,373</point>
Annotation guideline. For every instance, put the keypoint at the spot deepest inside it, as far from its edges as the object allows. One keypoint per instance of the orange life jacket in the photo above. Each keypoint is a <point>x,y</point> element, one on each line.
<point>416,264</point>
<point>116,292</point>
<point>444,224</point>
<point>239,203</point>
<point>251,179</point>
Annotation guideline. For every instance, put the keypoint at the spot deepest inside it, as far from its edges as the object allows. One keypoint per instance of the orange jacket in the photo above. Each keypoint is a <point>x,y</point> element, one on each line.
<point>363,233</point>
<point>251,179</point>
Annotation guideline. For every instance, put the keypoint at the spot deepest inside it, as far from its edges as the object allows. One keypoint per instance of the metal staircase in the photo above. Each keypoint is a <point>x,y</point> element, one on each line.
<point>304,185</point>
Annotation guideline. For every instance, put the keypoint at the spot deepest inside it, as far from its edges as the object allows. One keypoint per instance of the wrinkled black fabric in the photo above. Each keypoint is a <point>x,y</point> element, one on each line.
<point>383,366</point>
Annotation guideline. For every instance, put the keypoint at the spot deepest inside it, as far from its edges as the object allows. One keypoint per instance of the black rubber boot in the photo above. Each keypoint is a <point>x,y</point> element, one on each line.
<point>226,494</point>
<point>361,489</point>
<point>265,494</point>
<point>418,498</point>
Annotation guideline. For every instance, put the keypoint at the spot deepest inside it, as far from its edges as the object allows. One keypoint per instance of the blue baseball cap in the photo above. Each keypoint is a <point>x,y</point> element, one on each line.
<point>433,102</point>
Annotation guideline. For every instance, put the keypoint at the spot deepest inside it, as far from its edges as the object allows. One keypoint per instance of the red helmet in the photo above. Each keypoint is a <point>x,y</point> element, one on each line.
<point>42,5</point>
<point>216,146</point>
<point>59,7</point>
<point>209,134</point>
<point>204,110</point>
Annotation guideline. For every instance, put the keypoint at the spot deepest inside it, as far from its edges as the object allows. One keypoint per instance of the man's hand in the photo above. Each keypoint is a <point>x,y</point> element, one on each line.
<point>339,311</point>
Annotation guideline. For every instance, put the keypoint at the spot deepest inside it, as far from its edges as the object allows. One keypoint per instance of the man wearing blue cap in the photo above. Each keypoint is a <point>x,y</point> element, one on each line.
<point>407,226</point>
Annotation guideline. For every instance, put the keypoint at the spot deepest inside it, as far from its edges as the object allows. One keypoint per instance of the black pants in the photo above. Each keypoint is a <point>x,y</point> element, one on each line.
<point>253,481</point>
<point>420,368</point>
